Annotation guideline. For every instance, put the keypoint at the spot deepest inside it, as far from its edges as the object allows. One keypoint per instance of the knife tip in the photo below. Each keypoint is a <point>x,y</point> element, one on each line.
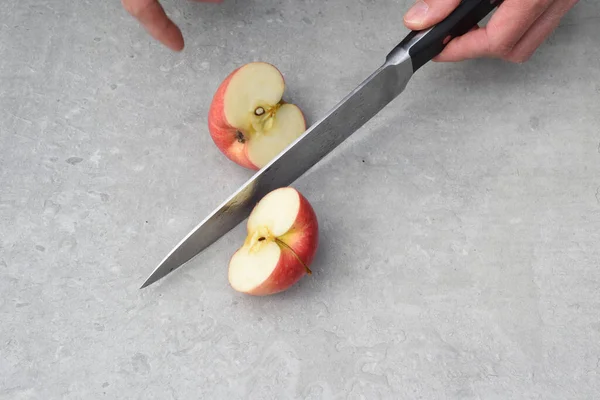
<point>155,276</point>
<point>148,282</point>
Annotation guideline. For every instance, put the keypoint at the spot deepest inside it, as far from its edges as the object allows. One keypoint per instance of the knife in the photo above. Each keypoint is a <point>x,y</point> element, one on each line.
<point>358,107</point>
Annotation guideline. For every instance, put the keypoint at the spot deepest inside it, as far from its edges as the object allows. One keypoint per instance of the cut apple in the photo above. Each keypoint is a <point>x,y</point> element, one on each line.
<point>282,240</point>
<point>248,120</point>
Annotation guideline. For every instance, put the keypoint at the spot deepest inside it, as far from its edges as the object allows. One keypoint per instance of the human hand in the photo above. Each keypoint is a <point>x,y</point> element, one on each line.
<point>152,16</point>
<point>514,32</point>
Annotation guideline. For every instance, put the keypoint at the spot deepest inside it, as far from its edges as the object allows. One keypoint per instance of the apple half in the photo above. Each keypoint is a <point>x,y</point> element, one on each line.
<point>248,119</point>
<point>282,240</point>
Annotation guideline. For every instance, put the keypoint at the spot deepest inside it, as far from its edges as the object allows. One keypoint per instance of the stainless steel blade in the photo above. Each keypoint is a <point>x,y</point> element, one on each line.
<point>364,102</point>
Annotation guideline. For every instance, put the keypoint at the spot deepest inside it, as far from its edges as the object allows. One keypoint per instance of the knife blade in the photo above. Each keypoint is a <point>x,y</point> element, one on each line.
<point>350,114</point>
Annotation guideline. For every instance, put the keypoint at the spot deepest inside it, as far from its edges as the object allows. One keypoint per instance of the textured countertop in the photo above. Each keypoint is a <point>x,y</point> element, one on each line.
<point>460,228</point>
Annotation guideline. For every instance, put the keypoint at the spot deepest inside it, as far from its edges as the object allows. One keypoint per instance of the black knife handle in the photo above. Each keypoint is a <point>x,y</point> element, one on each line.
<point>423,46</point>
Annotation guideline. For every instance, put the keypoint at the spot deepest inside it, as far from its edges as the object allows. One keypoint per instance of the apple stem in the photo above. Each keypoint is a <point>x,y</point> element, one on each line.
<point>282,243</point>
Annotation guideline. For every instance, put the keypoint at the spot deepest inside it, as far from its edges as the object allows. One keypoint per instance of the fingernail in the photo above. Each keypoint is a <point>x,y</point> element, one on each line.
<point>417,12</point>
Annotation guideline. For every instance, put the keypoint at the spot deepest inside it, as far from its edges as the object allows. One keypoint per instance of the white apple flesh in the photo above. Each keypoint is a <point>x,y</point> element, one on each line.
<point>248,120</point>
<point>282,240</point>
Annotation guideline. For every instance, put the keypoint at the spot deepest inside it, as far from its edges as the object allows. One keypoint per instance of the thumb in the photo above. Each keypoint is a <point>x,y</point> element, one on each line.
<point>426,13</point>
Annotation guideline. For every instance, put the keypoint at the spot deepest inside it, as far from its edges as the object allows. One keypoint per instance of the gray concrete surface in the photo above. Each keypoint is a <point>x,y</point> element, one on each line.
<point>460,228</point>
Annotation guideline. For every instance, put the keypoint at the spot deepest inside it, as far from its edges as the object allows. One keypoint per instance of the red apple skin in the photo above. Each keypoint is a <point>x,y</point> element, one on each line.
<point>222,133</point>
<point>303,238</point>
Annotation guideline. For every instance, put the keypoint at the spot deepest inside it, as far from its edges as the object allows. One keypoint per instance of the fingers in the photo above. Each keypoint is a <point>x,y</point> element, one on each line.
<point>474,44</point>
<point>505,29</point>
<point>426,13</point>
<point>540,31</point>
<point>512,20</point>
<point>153,17</point>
